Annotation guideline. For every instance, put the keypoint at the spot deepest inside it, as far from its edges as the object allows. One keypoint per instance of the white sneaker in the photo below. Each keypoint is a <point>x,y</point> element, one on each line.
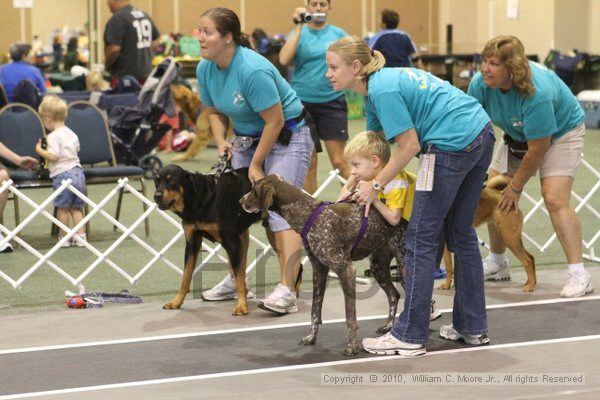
<point>448,332</point>
<point>66,243</point>
<point>78,240</point>
<point>282,301</point>
<point>388,344</point>
<point>435,313</point>
<point>7,248</point>
<point>495,272</point>
<point>224,290</point>
<point>578,285</point>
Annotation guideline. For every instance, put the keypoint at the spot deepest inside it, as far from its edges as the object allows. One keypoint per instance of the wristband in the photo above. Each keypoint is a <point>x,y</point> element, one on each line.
<point>515,190</point>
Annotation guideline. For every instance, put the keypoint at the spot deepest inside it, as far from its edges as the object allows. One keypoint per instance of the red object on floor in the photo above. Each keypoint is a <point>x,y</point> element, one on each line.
<point>76,302</point>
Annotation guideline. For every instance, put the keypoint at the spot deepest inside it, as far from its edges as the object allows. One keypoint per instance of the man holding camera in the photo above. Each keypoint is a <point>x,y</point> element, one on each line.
<point>305,49</point>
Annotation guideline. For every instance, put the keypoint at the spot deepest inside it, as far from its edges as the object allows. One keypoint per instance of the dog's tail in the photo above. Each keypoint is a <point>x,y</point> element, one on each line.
<point>498,182</point>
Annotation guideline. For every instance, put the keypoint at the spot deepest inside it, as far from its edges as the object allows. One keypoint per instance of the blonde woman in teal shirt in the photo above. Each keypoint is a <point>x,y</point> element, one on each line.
<point>423,114</point>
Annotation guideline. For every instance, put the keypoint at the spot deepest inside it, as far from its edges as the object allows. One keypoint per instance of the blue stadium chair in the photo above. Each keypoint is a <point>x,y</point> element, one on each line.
<point>20,129</point>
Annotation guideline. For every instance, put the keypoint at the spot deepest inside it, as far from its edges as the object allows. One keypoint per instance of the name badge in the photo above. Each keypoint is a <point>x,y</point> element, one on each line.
<point>426,171</point>
<point>503,158</point>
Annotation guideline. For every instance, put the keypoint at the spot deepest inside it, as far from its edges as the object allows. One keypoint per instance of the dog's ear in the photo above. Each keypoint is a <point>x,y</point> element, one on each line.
<point>266,192</point>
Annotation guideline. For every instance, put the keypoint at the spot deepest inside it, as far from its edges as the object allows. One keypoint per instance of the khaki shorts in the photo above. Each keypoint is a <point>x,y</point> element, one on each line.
<point>562,159</point>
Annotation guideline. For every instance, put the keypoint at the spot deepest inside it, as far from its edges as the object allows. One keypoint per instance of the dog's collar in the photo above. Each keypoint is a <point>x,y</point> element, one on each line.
<point>313,218</point>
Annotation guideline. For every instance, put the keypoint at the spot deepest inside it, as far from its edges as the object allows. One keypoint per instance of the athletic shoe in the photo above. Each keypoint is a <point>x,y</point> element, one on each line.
<point>448,332</point>
<point>66,243</point>
<point>435,313</point>
<point>224,290</point>
<point>578,284</point>
<point>78,243</point>
<point>7,248</point>
<point>388,344</point>
<point>495,272</point>
<point>282,301</point>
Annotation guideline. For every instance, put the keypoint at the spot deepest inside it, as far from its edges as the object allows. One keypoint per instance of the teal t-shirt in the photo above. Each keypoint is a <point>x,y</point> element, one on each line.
<point>249,85</point>
<point>552,110</point>
<point>309,79</point>
<point>442,115</point>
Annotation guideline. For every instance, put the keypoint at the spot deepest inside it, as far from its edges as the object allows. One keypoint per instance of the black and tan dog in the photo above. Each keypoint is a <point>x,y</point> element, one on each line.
<point>330,242</point>
<point>209,208</point>
<point>509,225</point>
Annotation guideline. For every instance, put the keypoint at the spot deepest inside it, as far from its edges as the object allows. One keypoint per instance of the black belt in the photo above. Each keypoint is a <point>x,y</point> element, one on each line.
<point>516,148</point>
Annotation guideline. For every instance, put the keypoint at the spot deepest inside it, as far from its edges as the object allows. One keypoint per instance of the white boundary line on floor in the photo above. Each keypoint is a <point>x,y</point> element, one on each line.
<point>288,368</point>
<point>265,327</point>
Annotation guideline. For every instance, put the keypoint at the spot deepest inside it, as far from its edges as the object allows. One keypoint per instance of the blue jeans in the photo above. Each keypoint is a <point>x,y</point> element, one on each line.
<point>445,214</point>
<point>291,162</point>
<point>68,199</point>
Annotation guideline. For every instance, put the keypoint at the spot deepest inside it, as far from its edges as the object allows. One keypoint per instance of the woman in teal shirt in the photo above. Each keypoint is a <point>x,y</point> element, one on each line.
<point>271,135</point>
<point>423,114</point>
<point>543,127</point>
<point>305,49</point>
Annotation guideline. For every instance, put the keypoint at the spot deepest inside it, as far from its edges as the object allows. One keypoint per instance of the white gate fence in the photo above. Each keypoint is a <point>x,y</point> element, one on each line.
<point>103,257</point>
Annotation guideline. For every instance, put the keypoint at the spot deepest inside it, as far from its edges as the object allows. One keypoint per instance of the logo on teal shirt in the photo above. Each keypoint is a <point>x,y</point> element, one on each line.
<point>516,123</point>
<point>238,99</point>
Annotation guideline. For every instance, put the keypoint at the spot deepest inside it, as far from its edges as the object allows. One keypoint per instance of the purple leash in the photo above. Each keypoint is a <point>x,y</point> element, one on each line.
<point>315,214</point>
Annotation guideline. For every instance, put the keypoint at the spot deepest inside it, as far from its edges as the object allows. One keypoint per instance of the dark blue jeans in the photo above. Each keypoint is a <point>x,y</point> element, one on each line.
<point>445,214</point>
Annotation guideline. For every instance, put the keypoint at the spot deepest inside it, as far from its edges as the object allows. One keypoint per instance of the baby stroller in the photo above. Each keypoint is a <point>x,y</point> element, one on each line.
<point>136,131</point>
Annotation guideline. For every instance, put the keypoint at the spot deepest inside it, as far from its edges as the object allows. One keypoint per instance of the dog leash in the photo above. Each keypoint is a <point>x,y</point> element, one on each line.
<point>315,214</point>
<point>222,166</point>
<point>97,299</point>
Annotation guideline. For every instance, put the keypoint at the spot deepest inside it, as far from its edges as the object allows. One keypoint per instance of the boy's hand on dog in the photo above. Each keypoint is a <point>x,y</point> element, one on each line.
<point>365,195</point>
<point>509,200</point>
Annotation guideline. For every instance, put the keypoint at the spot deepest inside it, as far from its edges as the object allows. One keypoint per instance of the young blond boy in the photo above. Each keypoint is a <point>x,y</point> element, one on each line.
<point>368,153</point>
<point>63,163</point>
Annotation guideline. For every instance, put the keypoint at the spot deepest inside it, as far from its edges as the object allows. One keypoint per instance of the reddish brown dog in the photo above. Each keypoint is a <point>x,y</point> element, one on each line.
<point>510,226</point>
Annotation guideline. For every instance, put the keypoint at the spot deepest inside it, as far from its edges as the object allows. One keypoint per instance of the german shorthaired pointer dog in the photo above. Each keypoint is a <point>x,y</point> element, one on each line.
<point>332,244</point>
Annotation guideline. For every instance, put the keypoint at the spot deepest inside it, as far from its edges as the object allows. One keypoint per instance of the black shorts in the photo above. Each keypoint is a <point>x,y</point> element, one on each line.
<point>328,121</point>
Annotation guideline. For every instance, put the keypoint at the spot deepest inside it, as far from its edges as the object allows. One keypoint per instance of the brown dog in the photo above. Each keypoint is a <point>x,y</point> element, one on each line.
<point>190,105</point>
<point>332,245</point>
<point>510,226</point>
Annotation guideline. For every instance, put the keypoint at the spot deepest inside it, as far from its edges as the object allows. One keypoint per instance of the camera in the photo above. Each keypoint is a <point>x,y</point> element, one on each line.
<point>318,18</point>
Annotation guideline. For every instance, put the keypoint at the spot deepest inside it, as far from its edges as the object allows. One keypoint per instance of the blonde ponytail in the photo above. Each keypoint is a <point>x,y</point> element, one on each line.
<point>377,62</point>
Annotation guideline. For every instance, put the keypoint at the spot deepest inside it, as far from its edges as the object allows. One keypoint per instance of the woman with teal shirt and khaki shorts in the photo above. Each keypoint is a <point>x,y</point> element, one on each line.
<point>271,135</point>
<point>543,127</point>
